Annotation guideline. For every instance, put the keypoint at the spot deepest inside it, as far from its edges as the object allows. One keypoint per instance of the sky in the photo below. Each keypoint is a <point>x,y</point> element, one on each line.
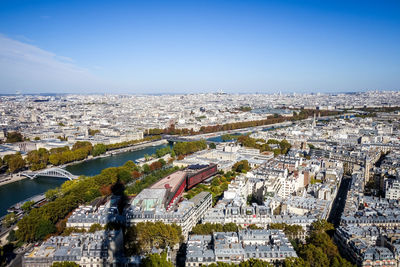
<point>138,47</point>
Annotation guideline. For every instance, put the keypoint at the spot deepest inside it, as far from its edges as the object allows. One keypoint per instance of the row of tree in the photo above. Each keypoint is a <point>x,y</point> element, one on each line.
<point>303,114</point>
<point>185,148</point>
<point>40,158</point>
<point>79,151</point>
<point>13,162</point>
<point>132,142</point>
<point>93,228</point>
<point>209,228</point>
<point>164,151</point>
<point>148,180</point>
<point>181,149</point>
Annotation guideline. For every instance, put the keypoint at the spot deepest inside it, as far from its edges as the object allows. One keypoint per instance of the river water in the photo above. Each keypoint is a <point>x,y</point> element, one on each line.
<point>18,191</point>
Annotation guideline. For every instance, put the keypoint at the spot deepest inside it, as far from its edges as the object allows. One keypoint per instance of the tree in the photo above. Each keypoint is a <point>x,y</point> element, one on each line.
<point>16,163</point>
<point>37,138</point>
<point>93,132</point>
<point>136,174</point>
<point>11,236</point>
<point>10,219</point>
<point>295,262</point>
<point>320,249</point>
<point>146,168</point>
<point>184,148</point>
<point>65,264</point>
<point>156,260</point>
<point>95,227</point>
<point>285,146</point>
<point>323,241</point>
<point>27,205</point>
<point>130,165</point>
<point>82,144</point>
<point>241,166</point>
<point>209,228</point>
<point>322,226</point>
<point>51,194</point>
<point>99,149</point>
<point>3,259</point>
<point>212,146</point>
<point>254,227</point>
<point>38,159</point>
<point>44,228</point>
<point>62,138</point>
<point>55,159</point>
<point>162,162</point>
<point>155,166</point>
<point>14,137</point>
<point>163,151</point>
<point>314,256</point>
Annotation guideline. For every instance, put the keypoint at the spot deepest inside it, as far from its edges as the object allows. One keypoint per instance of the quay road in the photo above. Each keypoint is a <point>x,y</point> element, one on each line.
<point>10,178</point>
<point>339,201</point>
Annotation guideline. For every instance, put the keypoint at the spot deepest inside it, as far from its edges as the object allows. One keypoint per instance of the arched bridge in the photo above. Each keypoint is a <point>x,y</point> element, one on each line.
<point>52,172</point>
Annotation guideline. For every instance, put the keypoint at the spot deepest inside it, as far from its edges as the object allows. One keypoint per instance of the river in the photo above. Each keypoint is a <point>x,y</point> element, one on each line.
<point>18,191</point>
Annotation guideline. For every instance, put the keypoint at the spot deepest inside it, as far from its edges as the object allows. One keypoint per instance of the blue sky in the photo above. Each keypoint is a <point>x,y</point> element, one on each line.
<point>199,46</point>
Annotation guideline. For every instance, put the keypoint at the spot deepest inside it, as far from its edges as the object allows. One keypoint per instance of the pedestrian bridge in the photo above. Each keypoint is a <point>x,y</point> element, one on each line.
<point>52,172</point>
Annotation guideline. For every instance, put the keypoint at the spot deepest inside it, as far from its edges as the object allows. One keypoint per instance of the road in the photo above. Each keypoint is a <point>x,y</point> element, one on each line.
<point>17,261</point>
<point>339,201</point>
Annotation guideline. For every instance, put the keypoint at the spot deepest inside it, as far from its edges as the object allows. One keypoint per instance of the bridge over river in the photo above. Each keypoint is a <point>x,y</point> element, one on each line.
<point>52,172</point>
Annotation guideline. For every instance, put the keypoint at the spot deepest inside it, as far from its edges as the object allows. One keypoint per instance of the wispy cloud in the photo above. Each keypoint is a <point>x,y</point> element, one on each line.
<point>29,68</point>
<point>23,38</point>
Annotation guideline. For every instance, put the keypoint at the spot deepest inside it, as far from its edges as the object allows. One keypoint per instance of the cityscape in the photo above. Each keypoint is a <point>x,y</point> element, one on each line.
<point>226,178</point>
<point>211,133</point>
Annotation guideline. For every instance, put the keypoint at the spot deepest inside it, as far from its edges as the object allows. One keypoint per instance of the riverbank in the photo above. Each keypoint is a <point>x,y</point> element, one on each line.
<point>109,153</point>
<point>7,179</point>
<point>242,130</point>
<point>11,178</point>
<point>13,193</point>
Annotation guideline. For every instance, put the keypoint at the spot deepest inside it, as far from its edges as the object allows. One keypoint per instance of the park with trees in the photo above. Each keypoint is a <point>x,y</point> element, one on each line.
<point>142,237</point>
<point>277,147</point>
